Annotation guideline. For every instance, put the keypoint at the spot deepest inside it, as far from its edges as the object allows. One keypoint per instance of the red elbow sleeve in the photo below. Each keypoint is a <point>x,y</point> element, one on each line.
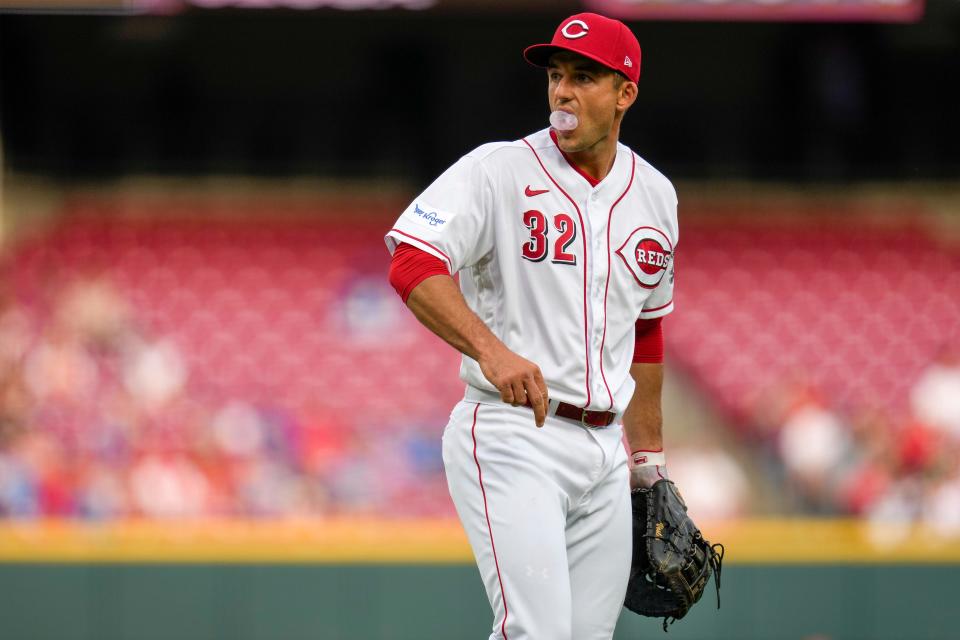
<point>648,347</point>
<point>411,266</point>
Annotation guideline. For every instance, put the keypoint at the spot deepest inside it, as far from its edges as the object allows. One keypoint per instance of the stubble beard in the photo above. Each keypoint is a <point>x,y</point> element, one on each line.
<point>571,146</point>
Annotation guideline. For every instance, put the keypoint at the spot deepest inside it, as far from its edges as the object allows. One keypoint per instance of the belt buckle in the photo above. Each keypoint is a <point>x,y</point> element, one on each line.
<point>583,418</point>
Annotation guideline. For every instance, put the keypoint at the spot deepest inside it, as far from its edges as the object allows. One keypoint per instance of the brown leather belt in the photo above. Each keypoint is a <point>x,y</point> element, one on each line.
<point>584,417</point>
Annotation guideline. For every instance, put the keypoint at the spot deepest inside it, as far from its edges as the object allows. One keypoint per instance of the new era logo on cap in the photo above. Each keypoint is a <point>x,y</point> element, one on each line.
<point>593,36</point>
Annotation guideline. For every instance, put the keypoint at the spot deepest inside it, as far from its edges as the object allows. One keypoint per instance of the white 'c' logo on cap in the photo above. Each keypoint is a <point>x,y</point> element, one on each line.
<point>577,34</point>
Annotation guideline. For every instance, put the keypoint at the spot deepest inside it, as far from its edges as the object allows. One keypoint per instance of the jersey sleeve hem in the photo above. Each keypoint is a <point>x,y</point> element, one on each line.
<point>656,312</point>
<point>396,236</point>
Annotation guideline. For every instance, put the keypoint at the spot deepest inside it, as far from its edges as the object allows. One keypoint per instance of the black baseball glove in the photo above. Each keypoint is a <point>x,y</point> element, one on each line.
<point>672,562</point>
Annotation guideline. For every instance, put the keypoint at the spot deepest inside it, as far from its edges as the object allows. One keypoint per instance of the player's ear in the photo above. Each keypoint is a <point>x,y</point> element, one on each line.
<point>626,95</point>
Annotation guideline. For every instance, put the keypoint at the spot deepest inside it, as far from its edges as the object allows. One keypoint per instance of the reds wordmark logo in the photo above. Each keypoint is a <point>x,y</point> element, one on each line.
<point>647,253</point>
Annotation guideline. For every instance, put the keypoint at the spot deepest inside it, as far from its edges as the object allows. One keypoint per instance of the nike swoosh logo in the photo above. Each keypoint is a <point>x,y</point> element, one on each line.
<point>533,192</point>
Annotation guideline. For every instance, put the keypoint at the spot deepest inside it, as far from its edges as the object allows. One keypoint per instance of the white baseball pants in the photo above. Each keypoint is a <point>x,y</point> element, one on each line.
<point>548,515</point>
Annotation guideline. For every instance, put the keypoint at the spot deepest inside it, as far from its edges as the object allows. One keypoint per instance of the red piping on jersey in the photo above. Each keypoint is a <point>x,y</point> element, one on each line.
<point>486,511</point>
<point>663,306</point>
<point>603,340</point>
<point>583,237</point>
<point>403,233</point>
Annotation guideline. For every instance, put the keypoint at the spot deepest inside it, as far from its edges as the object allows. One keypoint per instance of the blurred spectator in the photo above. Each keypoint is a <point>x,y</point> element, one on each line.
<point>153,372</point>
<point>59,368</point>
<point>872,465</point>
<point>941,508</point>
<point>936,396</point>
<point>168,486</point>
<point>813,444</point>
<point>101,492</point>
<point>15,335</point>
<point>93,309</point>
<point>238,430</point>
<point>714,486</point>
<point>892,515</point>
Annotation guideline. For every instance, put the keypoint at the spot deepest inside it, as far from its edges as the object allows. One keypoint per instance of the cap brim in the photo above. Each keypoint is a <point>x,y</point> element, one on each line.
<point>539,55</point>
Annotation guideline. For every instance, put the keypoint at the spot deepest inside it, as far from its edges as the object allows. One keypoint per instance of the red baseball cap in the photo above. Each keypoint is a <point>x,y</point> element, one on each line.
<point>602,39</point>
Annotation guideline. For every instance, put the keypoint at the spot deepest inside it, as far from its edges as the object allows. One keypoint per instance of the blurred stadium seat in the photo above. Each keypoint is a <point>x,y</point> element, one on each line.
<point>859,311</point>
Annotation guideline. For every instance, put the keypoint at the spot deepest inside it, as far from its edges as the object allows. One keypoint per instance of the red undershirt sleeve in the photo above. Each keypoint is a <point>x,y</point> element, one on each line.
<point>411,266</point>
<point>649,341</point>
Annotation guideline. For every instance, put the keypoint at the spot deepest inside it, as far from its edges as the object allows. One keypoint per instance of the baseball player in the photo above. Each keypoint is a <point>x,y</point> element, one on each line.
<point>564,243</point>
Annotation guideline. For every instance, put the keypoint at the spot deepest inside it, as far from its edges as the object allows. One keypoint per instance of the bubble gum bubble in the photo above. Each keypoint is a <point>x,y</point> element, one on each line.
<point>563,121</point>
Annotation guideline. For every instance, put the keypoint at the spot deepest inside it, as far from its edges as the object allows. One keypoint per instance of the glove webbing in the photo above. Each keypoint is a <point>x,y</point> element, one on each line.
<point>716,562</point>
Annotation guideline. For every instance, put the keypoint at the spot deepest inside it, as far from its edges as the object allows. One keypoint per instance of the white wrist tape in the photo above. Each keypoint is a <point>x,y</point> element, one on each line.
<point>643,458</point>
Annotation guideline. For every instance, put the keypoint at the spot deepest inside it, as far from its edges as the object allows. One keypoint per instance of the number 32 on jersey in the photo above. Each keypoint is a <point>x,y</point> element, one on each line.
<point>537,247</point>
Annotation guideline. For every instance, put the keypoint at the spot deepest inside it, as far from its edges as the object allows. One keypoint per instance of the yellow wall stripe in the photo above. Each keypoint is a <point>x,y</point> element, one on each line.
<point>374,541</point>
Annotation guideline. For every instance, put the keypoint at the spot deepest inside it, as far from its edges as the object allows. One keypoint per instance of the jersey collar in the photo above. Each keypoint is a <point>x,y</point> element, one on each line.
<point>586,176</point>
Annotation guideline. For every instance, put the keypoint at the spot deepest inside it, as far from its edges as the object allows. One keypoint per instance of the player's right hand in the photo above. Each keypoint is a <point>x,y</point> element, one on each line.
<point>518,380</point>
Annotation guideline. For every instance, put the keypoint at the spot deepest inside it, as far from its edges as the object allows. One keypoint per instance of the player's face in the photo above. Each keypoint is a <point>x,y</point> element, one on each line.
<point>589,91</point>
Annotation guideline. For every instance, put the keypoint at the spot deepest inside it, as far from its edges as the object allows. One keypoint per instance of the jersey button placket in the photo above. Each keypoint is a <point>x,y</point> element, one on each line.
<point>590,284</point>
<point>599,266</point>
<point>596,293</point>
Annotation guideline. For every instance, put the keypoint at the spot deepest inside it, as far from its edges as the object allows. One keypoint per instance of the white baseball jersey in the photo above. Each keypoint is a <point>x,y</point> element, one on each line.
<point>559,270</point>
